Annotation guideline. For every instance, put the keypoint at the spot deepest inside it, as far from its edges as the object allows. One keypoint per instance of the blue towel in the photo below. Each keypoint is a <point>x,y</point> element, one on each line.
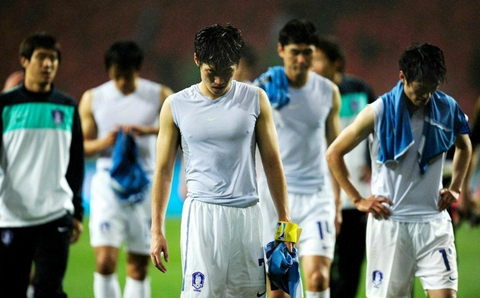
<point>129,180</point>
<point>275,83</point>
<point>444,120</point>
<point>283,269</point>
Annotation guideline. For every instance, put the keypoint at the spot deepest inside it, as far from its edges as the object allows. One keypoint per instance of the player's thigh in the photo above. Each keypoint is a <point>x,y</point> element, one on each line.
<point>16,254</point>
<point>51,255</point>
<point>246,269</point>
<point>437,261</point>
<point>138,229</point>
<point>204,242</point>
<point>316,216</point>
<point>107,222</point>
<point>390,259</point>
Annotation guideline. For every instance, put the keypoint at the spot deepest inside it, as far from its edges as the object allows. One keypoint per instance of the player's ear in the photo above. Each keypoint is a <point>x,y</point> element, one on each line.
<point>402,77</point>
<point>195,58</point>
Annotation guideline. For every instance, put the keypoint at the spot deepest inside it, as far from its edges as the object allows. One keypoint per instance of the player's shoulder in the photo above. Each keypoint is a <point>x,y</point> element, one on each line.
<point>321,81</point>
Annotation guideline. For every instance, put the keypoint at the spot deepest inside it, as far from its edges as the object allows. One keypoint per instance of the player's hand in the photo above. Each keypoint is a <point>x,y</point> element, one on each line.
<point>447,198</point>
<point>376,206</point>
<point>137,130</point>
<point>289,245</point>
<point>77,230</point>
<point>159,246</point>
<point>109,139</point>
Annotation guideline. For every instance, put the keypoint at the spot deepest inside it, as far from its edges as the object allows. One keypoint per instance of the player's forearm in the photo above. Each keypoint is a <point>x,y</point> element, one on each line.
<point>339,170</point>
<point>94,146</point>
<point>461,162</point>
<point>160,197</point>
<point>277,185</point>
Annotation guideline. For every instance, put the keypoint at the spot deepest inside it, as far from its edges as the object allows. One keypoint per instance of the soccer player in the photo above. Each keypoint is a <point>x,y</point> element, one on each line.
<point>131,104</point>
<point>329,62</point>
<point>217,123</point>
<point>306,126</point>
<point>42,166</point>
<point>409,232</point>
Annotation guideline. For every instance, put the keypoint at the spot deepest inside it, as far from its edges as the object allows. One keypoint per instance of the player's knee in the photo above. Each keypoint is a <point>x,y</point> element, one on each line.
<point>318,280</point>
<point>106,264</point>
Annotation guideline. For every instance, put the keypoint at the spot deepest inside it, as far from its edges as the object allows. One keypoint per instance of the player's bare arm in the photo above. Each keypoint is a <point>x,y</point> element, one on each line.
<point>348,139</point>
<point>91,143</point>
<point>332,132</point>
<point>167,144</point>
<point>267,141</point>
<point>461,161</point>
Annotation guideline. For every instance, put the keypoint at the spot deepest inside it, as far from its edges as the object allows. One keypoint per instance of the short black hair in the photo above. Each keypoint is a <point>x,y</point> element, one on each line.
<point>297,31</point>
<point>219,45</point>
<point>332,49</point>
<point>126,55</point>
<point>423,63</point>
<point>39,40</point>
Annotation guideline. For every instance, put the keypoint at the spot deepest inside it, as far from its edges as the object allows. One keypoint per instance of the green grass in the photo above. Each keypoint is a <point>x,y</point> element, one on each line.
<point>79,279</point>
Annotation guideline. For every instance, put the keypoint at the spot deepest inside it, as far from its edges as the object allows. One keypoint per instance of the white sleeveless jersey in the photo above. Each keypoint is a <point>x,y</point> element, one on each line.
<point>218,143</point>
<point>111,108</point>
<point>414,196</point>
<point>301,133</point>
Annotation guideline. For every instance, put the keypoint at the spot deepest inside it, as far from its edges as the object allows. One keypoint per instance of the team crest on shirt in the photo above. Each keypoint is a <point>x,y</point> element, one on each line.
<point>198,279</point>
<point>57,116</point>
<point>7,237</point>
<point>377,278</point>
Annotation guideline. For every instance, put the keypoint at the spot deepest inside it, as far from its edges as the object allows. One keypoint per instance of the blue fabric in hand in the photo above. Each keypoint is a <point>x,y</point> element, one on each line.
<point>283,268</point>
<point>129,180</point>
<point>275,83</point>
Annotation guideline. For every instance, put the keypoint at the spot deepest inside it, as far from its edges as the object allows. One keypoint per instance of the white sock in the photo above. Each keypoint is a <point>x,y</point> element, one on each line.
<point>106,286</point>
<point>324,294</point>
<point>137,288</point>
<point>30,291</point>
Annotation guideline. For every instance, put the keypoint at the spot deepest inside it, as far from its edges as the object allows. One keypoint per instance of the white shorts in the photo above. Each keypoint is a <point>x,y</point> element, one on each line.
<point>222,252</point>
<point>397,252</point>
<point>112,223</point>
<point>314,213</point>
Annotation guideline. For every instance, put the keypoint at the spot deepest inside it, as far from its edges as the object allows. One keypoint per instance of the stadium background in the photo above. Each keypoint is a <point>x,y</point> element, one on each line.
<point>373,33</point>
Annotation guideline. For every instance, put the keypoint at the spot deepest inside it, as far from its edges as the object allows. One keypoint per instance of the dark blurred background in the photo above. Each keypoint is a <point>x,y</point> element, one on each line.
<point>374,33</point>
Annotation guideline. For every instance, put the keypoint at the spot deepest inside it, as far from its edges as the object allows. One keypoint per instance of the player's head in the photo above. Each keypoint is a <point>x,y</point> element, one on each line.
<point>123,61</point>
<point>296,45</point>
<point>329,57</point>
<point>219,45</point>
<point>217,54</point>
<point>422,70</point>
<point>40,56</point>
<point>248,63</point>
<point>39,40</point>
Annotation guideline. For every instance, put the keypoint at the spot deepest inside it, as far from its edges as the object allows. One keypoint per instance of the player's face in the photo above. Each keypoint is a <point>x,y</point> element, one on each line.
<point>41,68</point>
<point>125,81</point>
<point>216,81</point>
<point>418,93</point>
<point>322,65</point>
<point>297,58</point>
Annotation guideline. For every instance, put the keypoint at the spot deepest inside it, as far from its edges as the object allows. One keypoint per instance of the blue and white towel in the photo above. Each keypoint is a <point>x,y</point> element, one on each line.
<point>444,120</point>
<point>275,83</point>
<point>129,180</point>
<point>283,269</point>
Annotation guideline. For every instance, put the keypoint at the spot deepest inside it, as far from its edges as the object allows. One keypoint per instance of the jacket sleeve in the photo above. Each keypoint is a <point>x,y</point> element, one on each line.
<point>76,167</point>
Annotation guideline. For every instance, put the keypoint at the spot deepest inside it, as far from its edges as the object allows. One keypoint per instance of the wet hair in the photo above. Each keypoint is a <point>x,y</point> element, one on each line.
<point>332,50</point>
<point>297,31</point>
<point>126,55</point>
<point>219,45</point>
<point>423,63</point>
<point>39,40</point>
